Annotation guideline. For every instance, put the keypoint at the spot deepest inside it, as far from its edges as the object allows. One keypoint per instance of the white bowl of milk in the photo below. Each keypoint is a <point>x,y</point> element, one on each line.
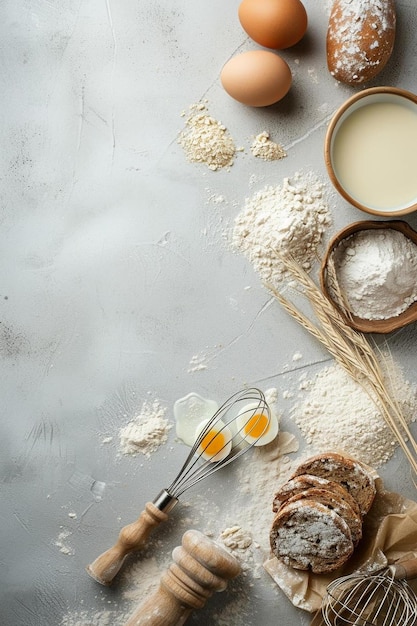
<point>371,151</point>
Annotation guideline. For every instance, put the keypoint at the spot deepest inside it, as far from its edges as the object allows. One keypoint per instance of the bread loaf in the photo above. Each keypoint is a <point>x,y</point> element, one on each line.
<point>360,39</point>
<point>308,535</point>
<point>319,511</point>
<point>351,474</point>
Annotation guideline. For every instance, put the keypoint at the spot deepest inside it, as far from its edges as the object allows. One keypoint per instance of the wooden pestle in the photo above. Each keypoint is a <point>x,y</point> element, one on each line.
<point>200,568</point>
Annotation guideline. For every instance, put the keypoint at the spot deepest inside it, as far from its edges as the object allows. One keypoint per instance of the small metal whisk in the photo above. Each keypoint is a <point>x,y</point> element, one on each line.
<point>249,403</point>
<point>380,599</point>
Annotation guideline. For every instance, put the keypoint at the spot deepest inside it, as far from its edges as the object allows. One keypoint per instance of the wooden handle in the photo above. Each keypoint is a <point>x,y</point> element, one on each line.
<point>200,568</point>
<point>131,538</point>
<point>407,570</point>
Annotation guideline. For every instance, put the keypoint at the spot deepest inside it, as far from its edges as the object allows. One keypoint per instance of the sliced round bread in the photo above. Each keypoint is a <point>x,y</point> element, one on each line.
<point>308,535</point>
<point>351,474</point>
<point>309,481</point>
<point>334,503</point>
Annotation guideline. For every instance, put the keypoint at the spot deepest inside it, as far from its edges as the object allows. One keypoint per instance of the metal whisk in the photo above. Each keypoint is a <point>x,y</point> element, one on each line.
<point>134,536</point>
<point>381,599</point>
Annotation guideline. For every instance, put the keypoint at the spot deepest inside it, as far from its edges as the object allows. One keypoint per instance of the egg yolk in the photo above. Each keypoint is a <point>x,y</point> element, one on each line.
<point>257,425</point>
<point>213,443</point>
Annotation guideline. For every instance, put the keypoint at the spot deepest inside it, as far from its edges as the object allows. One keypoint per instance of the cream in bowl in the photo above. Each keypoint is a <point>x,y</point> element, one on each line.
<point>369,272</point>
<point>370,151</point>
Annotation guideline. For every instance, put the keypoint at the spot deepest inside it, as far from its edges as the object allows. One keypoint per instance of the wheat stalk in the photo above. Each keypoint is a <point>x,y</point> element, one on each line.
<point>350,349</point>
<point>334,287</point>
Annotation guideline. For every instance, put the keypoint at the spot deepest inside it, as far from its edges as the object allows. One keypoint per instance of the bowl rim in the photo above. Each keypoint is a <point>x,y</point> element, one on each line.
<point>365,93</point>
<point>386,325</point>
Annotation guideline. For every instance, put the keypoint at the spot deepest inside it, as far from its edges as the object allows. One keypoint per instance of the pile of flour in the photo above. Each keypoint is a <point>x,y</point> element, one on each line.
<point>290,218</point>
<point>146,432</point>
<point>376,271</point>
<point>206,140</point>
<point>337,414</point>
<point>264,148</point>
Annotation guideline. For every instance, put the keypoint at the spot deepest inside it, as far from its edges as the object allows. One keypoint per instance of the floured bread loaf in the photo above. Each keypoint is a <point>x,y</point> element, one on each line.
<point>319,511</point>
<point>334,503</point>
<point>360,39</point>
<point>308,535</point>
<point>349,473</point>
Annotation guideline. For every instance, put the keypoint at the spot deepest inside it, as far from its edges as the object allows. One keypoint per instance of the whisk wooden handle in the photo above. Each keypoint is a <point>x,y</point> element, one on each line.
<point>407,570</point>
<point>131,538</point>
<point>200,568</point>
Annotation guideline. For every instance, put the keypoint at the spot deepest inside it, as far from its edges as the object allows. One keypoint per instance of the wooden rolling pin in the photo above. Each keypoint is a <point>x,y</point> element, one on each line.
<point>200,568</point>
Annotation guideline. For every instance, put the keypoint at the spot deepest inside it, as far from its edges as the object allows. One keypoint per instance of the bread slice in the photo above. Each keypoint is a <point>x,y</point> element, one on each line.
<point>349,473</point>
<point>334,503</point>
<point>309,481</point>
<point>308,535</point>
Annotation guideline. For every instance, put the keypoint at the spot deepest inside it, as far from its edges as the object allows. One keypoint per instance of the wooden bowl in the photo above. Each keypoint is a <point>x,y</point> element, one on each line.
<point>355,175</point>
<point>365,325</point>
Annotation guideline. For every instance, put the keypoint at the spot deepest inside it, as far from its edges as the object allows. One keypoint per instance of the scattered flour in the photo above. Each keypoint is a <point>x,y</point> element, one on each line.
<point>137,583</point>
<point>264,148</point>
<point>269,466</point>
<point>62,543</point>
<point>290,218</point>
<point>201,360</point>
<point>235,538</point>
<point>312,72</point>
<point>85,618</point>
<point>144,577</point>
<point>198,363</point>
<point>146,432</point>
<point>338,414</point>
<point>206,140</point>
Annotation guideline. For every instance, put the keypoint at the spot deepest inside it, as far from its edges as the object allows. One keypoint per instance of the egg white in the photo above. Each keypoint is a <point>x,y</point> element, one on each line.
<point>244,416</point>
<point>189,412</point>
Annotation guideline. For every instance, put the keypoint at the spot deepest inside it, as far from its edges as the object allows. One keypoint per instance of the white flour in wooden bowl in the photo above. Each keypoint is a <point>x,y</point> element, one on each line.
<point>376,271</point>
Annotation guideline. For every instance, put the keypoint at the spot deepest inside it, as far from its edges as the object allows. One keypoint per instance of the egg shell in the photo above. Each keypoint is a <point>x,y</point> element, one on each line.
<point>276,24</point>
<point>257,78</point>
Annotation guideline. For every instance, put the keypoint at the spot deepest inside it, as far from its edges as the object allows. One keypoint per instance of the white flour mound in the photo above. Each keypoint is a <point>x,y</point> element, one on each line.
<point>338,414</point>
<point>290,218</point>
<point>146,432</point>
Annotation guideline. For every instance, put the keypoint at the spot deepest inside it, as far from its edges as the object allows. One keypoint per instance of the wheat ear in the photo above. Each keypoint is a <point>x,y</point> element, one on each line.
<point>350,349</point>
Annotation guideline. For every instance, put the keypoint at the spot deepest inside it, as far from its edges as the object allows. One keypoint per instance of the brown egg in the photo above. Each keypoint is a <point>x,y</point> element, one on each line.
<point>274,24</point>
<point>256,78</point>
